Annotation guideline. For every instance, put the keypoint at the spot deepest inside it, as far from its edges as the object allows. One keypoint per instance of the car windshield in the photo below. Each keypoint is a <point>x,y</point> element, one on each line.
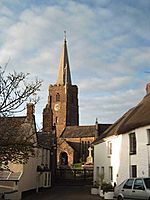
<point>147,182</point>
<point>121,183</point>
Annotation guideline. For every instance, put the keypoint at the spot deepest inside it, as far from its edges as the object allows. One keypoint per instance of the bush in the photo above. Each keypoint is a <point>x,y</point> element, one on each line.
<point>77,166</point>
<point>106,187</point>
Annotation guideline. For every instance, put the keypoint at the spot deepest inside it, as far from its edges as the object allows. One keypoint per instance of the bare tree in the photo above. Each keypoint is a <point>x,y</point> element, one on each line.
<point>15,91</point>
<point>17,135</point>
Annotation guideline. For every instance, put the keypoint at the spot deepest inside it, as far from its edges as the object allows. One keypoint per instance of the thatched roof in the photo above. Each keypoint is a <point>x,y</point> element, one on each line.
<point>136,117</point>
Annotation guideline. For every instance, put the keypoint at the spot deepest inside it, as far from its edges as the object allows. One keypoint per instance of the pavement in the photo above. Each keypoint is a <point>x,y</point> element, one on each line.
<point>63,193</point>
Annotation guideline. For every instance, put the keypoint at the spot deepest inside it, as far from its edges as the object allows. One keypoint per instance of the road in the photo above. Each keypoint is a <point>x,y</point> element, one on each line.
<point>63,193</point>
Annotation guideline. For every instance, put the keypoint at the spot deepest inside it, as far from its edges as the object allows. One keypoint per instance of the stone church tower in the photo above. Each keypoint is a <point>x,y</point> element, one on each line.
<point>62,114</point>
<point>63,96</point>
<point>62,107</point>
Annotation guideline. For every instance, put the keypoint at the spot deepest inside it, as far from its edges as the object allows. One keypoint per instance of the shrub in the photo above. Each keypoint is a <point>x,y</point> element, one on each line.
<point>106,187</point>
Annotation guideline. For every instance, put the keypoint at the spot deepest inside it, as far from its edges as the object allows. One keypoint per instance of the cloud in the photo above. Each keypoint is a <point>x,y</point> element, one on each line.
<point>108,44</point>
<point>109,108</point>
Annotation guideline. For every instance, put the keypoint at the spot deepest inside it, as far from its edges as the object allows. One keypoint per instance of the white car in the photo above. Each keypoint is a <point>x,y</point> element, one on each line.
<point>133,188</point>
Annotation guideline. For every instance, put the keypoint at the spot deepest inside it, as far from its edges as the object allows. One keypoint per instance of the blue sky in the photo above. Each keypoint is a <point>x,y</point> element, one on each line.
<point>108,44</point>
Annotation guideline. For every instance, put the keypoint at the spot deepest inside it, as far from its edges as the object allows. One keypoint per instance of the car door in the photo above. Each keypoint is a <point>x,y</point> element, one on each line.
<point>127,188</point>
<point>139,190</point>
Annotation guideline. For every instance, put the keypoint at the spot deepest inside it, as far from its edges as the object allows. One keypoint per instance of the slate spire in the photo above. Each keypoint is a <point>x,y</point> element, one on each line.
<point>64,75</point>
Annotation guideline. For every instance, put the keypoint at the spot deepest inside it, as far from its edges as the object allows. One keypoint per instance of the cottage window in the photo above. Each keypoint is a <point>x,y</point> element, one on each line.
<point>132,140</point>
<point>102,171</point>
<point>148,136</point>
<point>42,156</point>
<point>46,156</point>
<point>57,97</point>
<point>133,171</point>
<point>110,173</point>
<point>109,148</point>
<point>97,174</point>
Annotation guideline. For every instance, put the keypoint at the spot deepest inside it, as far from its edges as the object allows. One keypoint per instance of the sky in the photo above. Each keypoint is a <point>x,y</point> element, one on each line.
<point>108,45</point>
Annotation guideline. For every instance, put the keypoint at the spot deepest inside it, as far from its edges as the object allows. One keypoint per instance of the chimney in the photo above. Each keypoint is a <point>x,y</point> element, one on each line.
<point>30,111</point>
<point>148,88</point>
<point>47,119</point>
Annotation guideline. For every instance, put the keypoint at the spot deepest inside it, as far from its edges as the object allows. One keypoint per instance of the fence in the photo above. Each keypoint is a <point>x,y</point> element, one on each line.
<point>74,176</point>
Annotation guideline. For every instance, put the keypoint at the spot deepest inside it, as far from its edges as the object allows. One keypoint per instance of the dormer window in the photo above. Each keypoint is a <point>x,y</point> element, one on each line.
<point>57,97</point>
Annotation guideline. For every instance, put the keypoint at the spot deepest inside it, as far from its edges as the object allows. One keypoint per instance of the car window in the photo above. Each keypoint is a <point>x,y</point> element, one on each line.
<point>128,184</point>
<point>138,184</point>
<point>147,182</point>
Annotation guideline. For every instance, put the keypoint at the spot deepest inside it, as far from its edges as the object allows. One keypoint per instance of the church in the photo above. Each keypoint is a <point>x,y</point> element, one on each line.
<point>62,113</point>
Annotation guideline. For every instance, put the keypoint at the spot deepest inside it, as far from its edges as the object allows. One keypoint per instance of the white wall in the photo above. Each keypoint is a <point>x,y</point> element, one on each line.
<point>102,158</point>
<point>30,177</point>
<point>120,159</point>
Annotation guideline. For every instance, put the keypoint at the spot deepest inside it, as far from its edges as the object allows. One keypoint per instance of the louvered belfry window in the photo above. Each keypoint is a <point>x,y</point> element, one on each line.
<point>57,97</point>
<point>132,141</point>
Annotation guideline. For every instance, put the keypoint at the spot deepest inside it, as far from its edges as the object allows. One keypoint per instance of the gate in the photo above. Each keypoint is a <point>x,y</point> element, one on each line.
<point>74,176</point>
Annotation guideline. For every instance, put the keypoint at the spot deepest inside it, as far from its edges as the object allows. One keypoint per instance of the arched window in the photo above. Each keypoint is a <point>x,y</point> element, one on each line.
<point>57,97</point>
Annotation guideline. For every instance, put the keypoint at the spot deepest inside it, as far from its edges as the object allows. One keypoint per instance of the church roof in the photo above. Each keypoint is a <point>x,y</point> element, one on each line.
<point>136,117</point>
<point>83,131</point>
<point>64,75</point>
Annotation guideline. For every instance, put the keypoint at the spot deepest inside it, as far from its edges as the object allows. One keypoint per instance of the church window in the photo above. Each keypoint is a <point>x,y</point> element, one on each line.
<point>132,143</point>
<point>50,100</point>
<point>57,97</point>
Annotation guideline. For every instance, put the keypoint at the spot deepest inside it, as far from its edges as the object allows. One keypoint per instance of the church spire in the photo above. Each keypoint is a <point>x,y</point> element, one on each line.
<point>64,76</point>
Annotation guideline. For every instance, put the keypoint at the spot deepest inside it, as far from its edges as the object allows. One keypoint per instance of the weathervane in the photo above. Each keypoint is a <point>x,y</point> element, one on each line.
<point>65,35</point>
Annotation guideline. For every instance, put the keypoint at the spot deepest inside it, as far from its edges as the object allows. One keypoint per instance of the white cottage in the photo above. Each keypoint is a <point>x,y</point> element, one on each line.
<point>124,149</point>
